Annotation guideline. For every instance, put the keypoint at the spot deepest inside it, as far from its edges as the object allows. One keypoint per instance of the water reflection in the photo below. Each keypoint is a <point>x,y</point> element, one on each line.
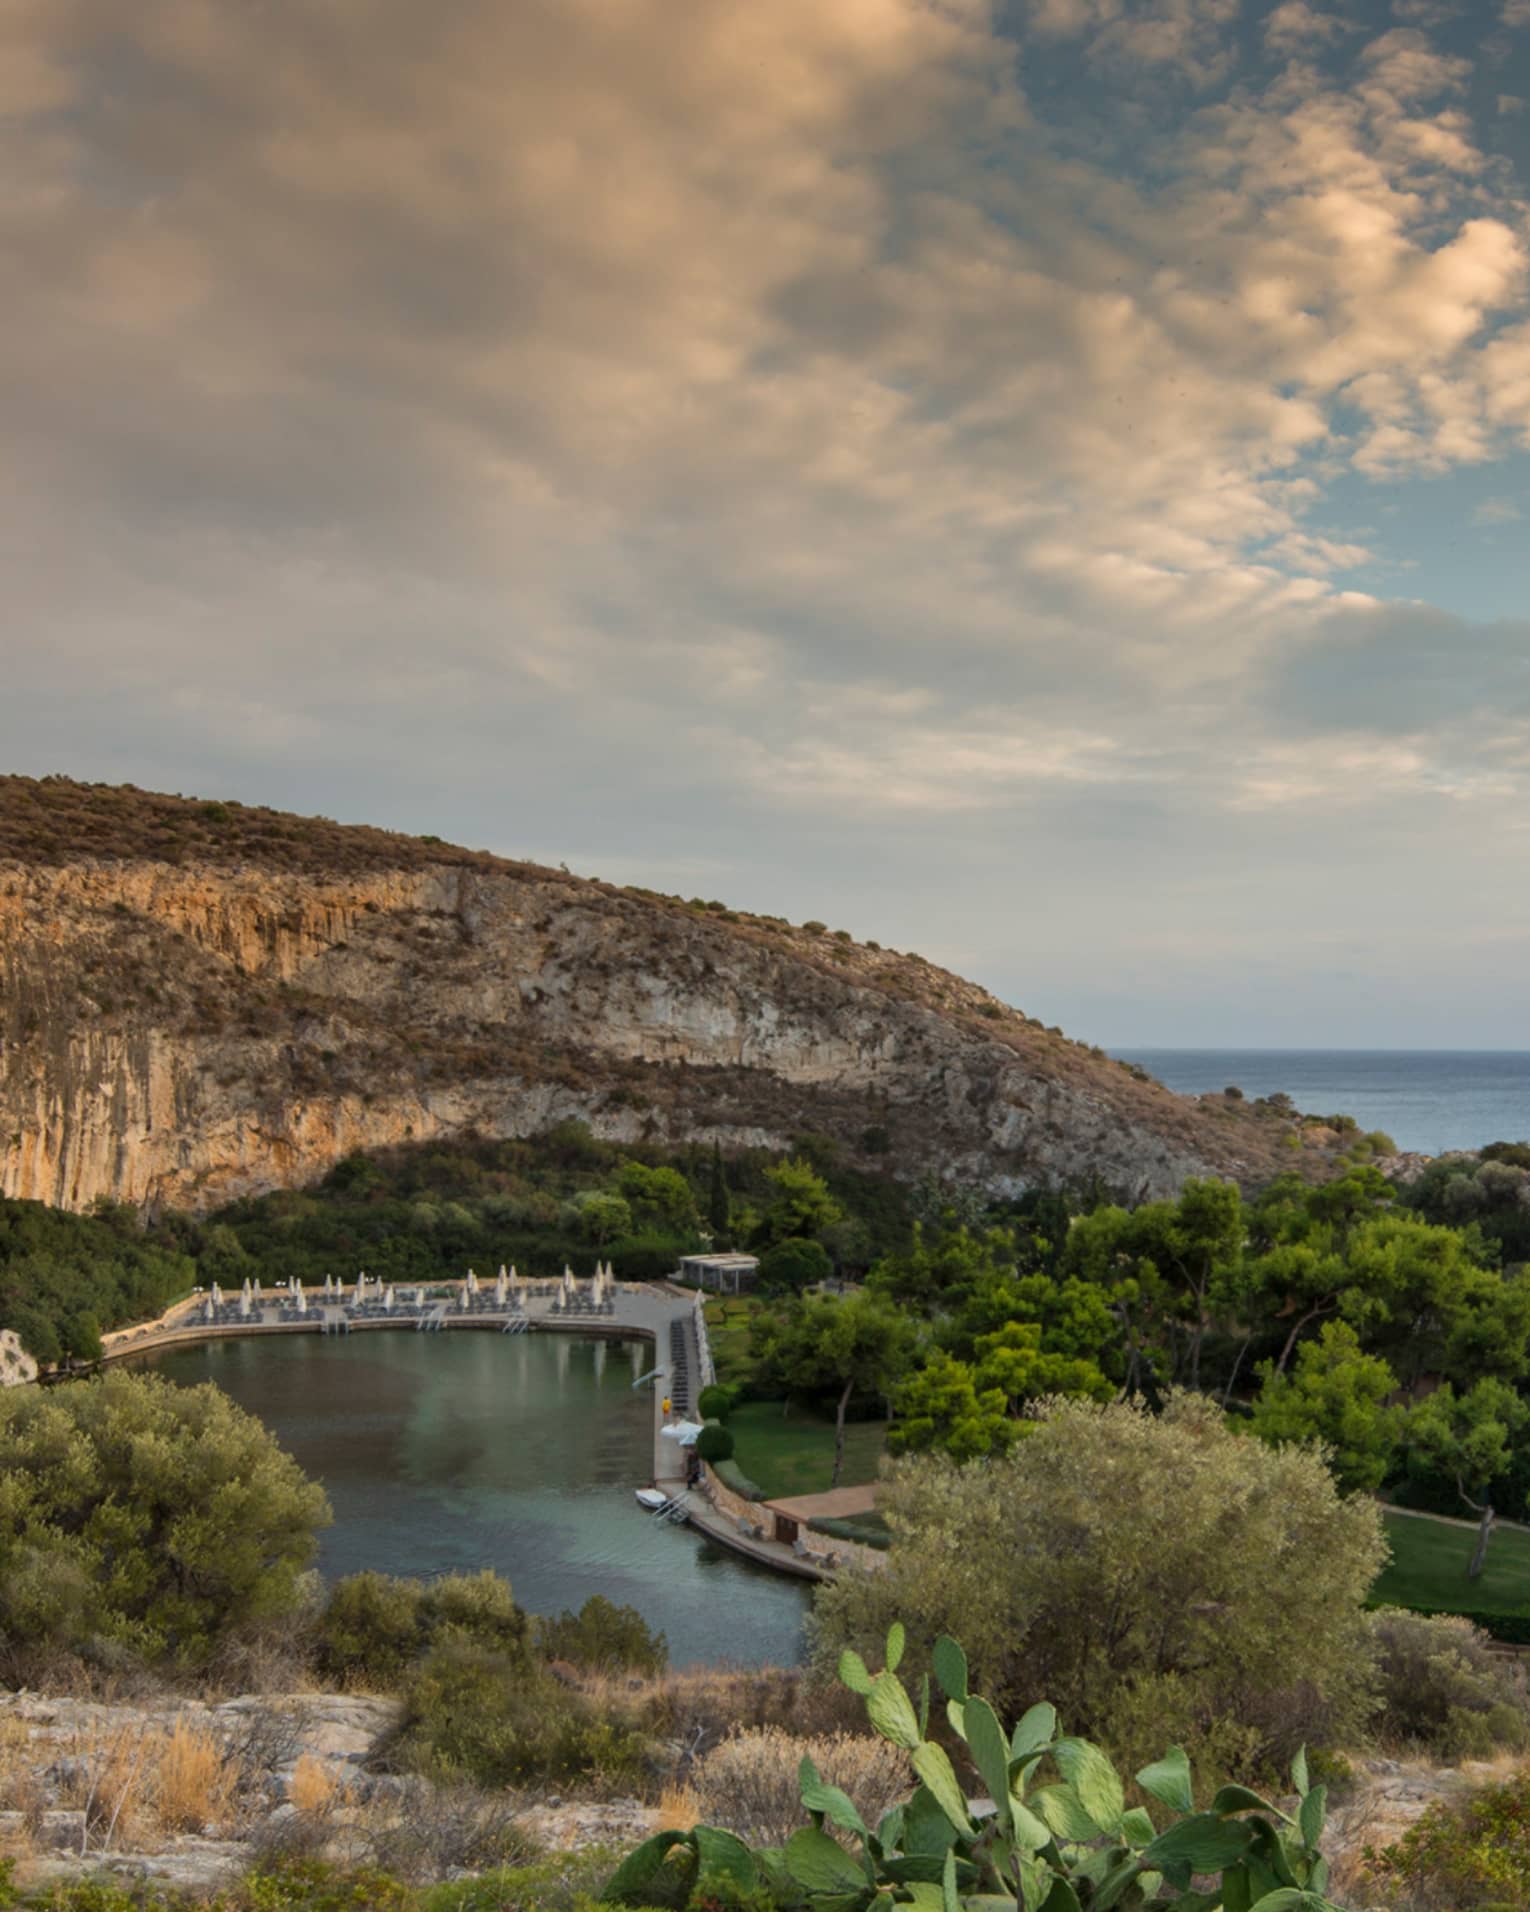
<point>451,1452</point>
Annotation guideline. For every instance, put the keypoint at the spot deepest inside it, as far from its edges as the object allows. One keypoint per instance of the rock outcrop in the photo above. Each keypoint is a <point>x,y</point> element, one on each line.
<point>202,1001</point>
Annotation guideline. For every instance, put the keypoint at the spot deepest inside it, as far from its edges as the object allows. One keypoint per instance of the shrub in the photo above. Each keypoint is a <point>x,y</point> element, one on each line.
<point>605,1638</point>
<point>714,1402</point>
<point>1442,1687</point>
<point>1467,1856</point>
<point>370,1632</point>
<point>1140,1638</point>
<point>733,1476</point>
<point>714,1443</point>
<point>375,1627</point>
<point>145,1517</point>
<point>751,1783</point>
<point>470,1713</point>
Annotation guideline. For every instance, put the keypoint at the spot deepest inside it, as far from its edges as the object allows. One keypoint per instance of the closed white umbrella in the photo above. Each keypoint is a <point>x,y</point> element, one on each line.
<point>388,1298</point>
<point>302,1300</point>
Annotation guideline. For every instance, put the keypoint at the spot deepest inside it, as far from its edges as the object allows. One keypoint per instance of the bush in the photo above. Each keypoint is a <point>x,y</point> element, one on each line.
<point>750,1784</point>
<point>795,1263</point>
<point>1471,1856</point>
<point>1140,1638</point>
<point>714,1402</point>
<point>733,1476</point>
<point>145,1518</point>
<point>370,1632</point>
<point>1442,1687</point>
<point>604,1637</point>
<point>471,1713</point>
<point>714,1443</point>
<point>375,1627</point>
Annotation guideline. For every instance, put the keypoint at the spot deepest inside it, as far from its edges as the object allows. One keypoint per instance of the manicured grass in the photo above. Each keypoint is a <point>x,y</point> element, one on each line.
<point>728,1333</point>
<point>1429,1562</point>
<point>794,1454</point>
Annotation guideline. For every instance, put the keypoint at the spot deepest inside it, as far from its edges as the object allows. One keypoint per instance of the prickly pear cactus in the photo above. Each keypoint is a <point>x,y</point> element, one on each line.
<point>1055,1834</point>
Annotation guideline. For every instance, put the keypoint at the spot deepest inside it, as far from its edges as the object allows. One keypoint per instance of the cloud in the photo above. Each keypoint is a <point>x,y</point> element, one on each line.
<point>1294,27</point>
<point>1497,511</point>
<point>694,421</point>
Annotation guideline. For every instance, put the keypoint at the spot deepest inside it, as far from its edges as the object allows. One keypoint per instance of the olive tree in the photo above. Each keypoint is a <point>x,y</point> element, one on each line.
<point>140,1516</point>
<point>1155,1575</point>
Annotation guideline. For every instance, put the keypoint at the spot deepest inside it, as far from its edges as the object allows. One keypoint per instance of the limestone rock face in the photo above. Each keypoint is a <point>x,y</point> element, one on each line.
<point>185,1032</point>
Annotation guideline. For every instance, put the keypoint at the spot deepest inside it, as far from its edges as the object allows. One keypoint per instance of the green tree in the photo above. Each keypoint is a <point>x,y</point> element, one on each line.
<point>939,1409</point>
<point>801,1207</point>
<point>603,1217</point>
<point>794,1263</point>
<point>943,1266</point>
<point>660,1199</point>
<point>1337,1395</point>
<point>718,1207</point>
<point>1013,1360</point>
<point>150,1516</point>
<point>82,1337</point>
<point>823,1347</point>
<point>1121,1562</point>
<point>1470,1439</point>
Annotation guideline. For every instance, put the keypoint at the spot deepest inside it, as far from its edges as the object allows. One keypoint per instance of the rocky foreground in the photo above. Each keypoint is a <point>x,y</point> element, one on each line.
<point>200,1001</point>
<point>190,1795</point>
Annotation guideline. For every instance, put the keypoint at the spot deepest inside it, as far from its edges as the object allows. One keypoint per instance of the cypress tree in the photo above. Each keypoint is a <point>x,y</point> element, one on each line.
<point>717,1200</point>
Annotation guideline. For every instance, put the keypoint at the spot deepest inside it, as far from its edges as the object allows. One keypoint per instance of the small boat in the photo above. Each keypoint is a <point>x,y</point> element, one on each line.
<point>653,1498</point>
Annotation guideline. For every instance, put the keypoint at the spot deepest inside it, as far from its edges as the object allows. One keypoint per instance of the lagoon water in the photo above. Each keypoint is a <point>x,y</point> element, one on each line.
<point>446,1453</point>
<point>1425,1099</point>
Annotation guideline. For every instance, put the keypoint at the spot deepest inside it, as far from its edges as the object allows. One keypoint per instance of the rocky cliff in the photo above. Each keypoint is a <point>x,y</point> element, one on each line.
<point>203,1000</point>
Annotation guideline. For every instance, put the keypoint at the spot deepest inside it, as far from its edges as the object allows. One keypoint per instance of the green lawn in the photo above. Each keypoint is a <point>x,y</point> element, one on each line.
<point>1429,1562</point>
<point>794,1453</point>
<point>728,1334</point>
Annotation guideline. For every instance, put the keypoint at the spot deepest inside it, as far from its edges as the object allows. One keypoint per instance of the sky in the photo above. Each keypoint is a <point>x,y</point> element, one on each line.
<point>1043,484</point>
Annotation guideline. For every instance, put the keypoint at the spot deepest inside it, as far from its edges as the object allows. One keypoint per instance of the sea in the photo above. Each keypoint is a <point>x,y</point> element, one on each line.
<point>1428,1100</point>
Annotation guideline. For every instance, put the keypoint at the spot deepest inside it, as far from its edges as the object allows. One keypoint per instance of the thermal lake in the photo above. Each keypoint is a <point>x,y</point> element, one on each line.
<point>446,1453</point>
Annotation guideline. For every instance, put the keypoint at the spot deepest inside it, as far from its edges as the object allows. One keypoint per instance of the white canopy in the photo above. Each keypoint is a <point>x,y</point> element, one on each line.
<point>684,1432</point>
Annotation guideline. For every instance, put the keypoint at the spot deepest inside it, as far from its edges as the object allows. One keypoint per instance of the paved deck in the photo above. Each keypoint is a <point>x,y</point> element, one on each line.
<point>839,1503</point>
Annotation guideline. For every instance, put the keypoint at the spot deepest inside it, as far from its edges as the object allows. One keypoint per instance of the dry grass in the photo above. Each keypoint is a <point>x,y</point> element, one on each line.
<point>679,1808</point>
<point>749,1784</point>
<point>21,1786</point>
<point>137,1784</point>
<point>193,1782</point>
<point>315,1787</point>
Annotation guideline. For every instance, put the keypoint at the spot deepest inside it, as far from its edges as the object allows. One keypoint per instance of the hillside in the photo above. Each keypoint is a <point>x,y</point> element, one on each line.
<point>203,999</point>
